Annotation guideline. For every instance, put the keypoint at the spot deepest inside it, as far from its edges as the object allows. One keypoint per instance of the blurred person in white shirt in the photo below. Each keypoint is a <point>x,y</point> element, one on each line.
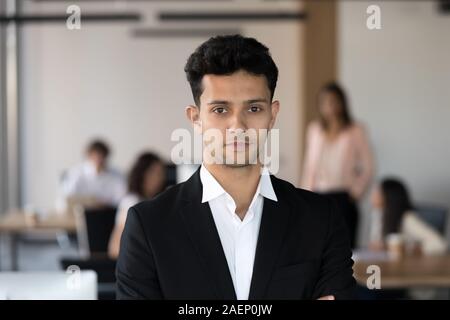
<point>93,183</point>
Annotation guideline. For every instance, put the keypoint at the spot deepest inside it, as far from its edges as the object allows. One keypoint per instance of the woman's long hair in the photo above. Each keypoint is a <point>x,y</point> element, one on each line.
<point>396,203</point>
<point>345,115</point>
<point>137,173</point>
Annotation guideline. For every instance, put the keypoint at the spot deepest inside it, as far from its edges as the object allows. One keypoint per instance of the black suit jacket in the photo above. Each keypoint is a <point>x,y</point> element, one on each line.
<point>170,249</point>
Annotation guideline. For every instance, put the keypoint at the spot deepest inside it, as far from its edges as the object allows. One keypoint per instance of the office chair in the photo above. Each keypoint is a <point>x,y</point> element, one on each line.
<point>434,215</point>
<point>94,228</point>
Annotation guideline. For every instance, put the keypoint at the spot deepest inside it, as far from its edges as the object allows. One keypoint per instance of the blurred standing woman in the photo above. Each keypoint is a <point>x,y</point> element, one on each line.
<point>338,160</point>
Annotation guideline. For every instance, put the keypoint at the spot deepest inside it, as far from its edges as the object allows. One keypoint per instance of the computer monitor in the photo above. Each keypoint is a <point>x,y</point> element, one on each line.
<point>58,285</point>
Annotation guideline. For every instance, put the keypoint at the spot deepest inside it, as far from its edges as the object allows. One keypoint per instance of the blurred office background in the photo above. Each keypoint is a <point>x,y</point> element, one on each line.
<point>120,78</point>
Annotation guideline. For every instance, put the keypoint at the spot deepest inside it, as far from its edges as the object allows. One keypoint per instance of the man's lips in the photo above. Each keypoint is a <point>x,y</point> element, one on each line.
<point>238,145</point>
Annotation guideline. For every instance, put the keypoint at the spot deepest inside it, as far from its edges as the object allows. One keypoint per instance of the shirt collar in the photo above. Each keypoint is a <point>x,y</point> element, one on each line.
<point>89,169</point>
<point>212,189</point>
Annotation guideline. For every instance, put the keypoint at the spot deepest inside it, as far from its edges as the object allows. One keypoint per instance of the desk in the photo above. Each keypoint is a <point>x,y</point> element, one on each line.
<point>16,222</point>
<point>408,272</point>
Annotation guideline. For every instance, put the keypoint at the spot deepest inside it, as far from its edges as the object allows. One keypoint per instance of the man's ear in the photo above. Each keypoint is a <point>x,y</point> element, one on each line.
<point>193,115</point>
<point>275,107</point>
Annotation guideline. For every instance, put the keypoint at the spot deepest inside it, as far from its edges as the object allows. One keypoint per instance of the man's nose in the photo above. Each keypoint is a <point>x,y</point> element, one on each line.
<point>237,123</point>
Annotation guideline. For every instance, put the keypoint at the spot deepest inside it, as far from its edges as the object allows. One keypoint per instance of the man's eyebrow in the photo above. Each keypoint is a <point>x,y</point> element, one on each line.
<point>256,100</point>
<point>218,102</point>
<point>246,101</point>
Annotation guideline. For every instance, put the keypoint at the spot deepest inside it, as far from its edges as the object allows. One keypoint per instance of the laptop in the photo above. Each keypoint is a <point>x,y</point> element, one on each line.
<point>58,285</point>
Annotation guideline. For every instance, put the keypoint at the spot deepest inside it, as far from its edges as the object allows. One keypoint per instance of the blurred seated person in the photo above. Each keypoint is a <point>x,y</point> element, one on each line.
<point>393,213</point>
<point>146,179</point>
<point>93,183</point>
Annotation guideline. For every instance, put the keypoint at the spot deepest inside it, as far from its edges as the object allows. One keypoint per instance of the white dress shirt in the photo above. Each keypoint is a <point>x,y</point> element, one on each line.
<point>238,237</point>
<point>83,180</point>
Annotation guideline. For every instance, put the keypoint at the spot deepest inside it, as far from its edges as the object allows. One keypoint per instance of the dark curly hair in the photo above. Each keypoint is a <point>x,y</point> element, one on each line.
<point>224,55</point>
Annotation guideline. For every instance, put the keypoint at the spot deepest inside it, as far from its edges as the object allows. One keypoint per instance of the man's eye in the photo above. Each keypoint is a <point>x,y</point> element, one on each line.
<point>254,109</point>
<point>219,110</point>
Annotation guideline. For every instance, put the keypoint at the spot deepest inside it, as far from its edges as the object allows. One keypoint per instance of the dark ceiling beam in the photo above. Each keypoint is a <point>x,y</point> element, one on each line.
<point>181,1</point>
<point>231,16</point>
<point>50,18</point>
<point>181,33</point>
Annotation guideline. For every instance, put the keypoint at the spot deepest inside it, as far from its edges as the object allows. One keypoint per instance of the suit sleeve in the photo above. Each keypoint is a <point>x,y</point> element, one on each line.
<point>336,273</point>
<point>136,272</point>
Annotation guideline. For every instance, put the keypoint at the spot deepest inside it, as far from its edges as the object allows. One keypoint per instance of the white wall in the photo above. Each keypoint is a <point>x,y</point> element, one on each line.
<point>398,80</point>
<point>100,81</point>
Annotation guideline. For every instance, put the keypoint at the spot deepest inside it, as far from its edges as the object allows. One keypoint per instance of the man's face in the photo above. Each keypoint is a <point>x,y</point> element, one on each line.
<point>97,159</point>
<point>238,107</point>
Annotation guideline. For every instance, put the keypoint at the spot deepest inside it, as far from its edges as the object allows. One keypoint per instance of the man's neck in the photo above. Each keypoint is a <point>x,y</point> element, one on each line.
<point>239,182</point>
<point>100,169</point>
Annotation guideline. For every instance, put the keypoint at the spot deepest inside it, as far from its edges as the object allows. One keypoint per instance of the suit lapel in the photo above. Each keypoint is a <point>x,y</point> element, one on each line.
<point>274,222</point>
<point>203,233</point>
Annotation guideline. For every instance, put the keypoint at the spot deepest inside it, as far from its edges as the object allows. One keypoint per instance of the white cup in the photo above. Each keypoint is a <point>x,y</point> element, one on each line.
<point>395,245</point>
